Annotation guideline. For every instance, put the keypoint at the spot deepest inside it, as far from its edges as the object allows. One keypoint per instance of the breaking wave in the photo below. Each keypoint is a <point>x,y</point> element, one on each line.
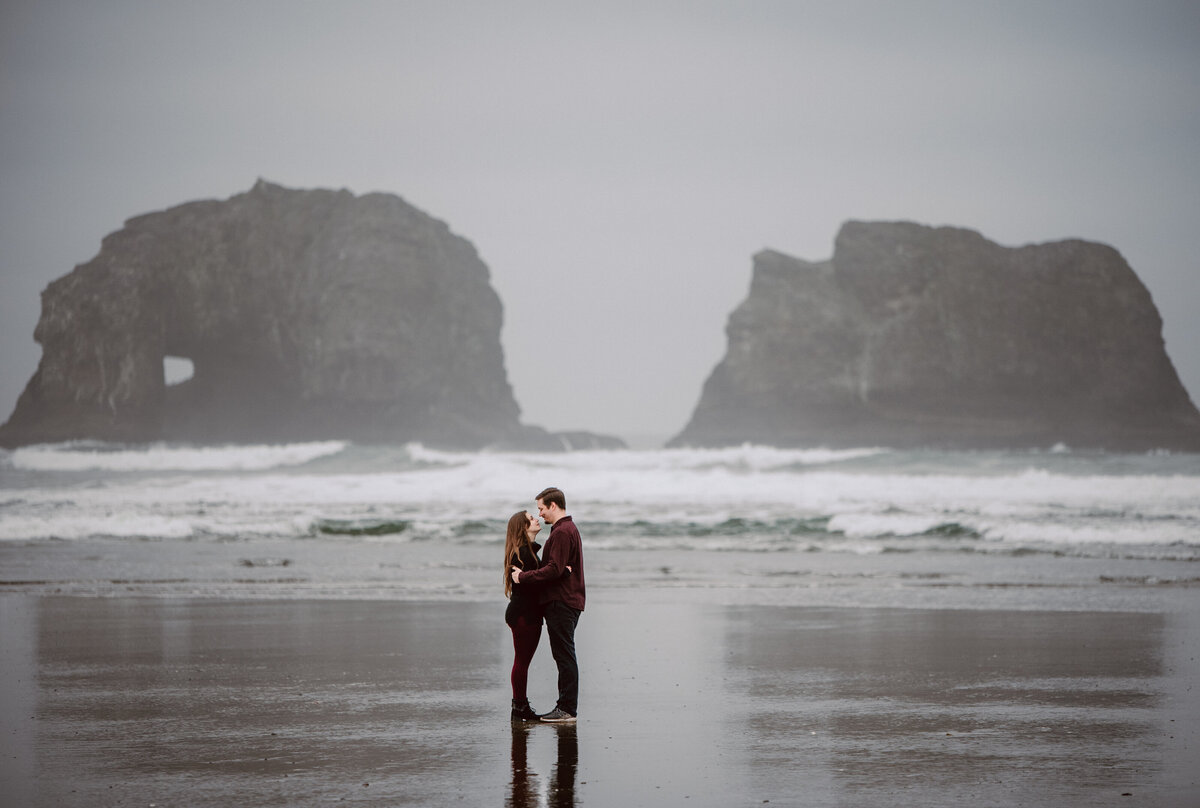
<point>746,498</point>
<point>93,456</point>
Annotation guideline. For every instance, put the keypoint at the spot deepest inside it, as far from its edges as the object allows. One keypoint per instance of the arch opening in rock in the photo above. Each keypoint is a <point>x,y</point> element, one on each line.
<point>177,370</point>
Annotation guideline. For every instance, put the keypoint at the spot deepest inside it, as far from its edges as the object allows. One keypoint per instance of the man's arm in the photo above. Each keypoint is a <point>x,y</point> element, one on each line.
<point>554,563</point>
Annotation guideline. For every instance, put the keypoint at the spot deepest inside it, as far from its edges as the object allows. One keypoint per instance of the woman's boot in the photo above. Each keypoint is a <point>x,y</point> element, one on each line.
<point>521,711</point>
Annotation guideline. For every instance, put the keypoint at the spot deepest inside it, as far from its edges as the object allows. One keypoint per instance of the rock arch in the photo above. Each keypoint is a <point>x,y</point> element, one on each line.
<point>306,314</point>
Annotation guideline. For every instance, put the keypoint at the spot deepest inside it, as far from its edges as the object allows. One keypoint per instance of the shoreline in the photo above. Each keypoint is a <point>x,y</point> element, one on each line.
<point>134,700</point>
<point>420,572</point>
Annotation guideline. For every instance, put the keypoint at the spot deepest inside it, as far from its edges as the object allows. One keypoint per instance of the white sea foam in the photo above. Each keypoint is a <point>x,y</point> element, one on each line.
<point>738,498</point>
<point>860,525</point>
<point>1085,531</point>
<point>81,526</point>
<point>164,457</point>
<point>745,458</point>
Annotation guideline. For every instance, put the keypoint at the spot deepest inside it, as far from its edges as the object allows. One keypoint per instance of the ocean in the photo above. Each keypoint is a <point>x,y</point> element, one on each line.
<point>1056,529</point>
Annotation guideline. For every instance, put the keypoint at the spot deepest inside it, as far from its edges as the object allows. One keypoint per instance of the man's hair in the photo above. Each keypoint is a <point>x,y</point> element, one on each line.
<point>552,496</point>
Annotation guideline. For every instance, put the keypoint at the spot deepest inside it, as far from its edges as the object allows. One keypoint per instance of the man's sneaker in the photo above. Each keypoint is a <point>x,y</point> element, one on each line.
<point>521,711</point>
<point>558,716</point>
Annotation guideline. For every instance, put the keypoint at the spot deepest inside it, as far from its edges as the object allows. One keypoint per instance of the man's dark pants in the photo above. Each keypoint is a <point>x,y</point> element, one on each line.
<point>561,620</point>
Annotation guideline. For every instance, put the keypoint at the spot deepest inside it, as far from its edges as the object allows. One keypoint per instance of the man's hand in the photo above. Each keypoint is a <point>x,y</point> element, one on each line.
<point>516,575</point>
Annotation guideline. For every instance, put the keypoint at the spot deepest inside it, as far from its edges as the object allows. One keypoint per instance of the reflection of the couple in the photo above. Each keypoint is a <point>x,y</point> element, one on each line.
<point>560,790</point>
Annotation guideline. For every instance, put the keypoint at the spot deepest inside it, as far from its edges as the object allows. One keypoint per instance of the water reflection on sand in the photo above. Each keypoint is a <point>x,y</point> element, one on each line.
<point>527,788</point>
<point>954,706</point>
<point>293,703</point>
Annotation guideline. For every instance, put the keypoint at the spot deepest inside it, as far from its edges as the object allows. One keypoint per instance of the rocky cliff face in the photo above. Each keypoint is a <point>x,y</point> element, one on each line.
<point>306,314</point>
<point>919,336</point>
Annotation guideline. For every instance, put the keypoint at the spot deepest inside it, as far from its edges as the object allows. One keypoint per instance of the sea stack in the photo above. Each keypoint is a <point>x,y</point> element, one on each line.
<point>916,336</point>
<point>306,314</point>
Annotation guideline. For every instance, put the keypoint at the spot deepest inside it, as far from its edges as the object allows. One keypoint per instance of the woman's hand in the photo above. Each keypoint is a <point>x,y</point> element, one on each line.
<point>516,575</point>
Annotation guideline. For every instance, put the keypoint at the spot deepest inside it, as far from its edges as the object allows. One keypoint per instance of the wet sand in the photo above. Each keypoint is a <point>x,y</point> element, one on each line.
<point>127,701</point>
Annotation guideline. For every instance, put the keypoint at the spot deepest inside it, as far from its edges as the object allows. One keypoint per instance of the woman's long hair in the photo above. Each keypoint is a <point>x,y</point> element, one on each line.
<point>514,540</point>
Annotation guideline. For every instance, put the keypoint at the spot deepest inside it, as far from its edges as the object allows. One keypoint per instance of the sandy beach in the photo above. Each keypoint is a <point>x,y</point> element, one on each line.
<point>145,701</point>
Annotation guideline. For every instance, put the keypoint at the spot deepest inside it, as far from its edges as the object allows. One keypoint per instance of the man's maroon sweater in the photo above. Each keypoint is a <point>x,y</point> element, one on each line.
<point>563,549</point>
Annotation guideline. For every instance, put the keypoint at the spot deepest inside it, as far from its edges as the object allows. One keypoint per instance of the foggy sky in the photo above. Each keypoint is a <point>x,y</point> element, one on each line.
<point>616,165</point>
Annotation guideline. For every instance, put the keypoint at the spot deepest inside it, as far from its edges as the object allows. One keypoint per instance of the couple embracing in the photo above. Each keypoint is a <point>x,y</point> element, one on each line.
<point>550,588</point>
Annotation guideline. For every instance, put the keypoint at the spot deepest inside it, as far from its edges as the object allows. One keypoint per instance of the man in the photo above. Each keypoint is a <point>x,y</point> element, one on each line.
<point>562,595</point>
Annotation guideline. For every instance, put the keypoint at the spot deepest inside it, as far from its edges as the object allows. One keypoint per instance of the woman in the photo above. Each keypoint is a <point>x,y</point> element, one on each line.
<point>524,613</point>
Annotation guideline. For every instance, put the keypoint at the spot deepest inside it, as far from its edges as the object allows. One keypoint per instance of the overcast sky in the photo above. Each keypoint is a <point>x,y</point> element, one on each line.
<point>616,165</point>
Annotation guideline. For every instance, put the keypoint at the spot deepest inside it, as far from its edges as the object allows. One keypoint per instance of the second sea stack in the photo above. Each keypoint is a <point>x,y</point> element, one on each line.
<point>916,336</point>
